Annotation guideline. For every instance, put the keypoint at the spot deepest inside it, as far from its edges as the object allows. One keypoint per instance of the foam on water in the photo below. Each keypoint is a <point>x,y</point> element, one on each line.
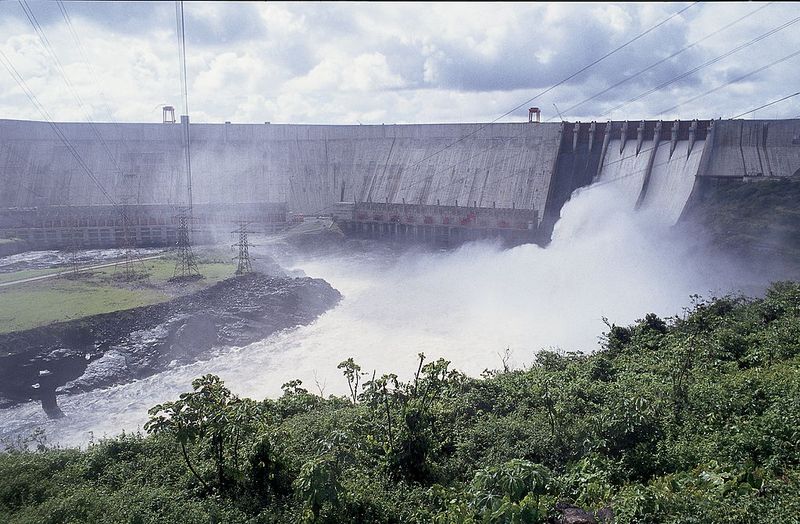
<point>626,169</point>
<point>54,259</point>
<point>467,305</point>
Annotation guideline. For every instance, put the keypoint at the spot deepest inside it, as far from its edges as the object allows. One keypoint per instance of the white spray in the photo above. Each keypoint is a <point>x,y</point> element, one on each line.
<point>467,305</point>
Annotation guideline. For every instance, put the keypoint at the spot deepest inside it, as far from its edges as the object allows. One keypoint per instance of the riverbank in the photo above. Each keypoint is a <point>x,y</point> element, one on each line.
<point>101,350</point>
<point>683,419</point>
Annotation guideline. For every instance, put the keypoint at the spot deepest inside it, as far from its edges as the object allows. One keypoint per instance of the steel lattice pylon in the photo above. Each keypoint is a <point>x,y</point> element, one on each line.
<point>244,260</point>
<point>133,267</point>
<point>76,236</point>
<point>186,263</point>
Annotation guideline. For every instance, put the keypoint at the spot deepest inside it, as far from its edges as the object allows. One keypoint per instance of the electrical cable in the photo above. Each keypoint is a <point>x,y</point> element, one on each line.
<point>765,105</point>
<point>761,37</point>
<point>60,69</point>
<point>659,62</point>
<point>84,55</point>
<point>557,84</point>
<point>56,128</point>
<point>704,65</point>
<point>747,75</point>
<point>181,35</point>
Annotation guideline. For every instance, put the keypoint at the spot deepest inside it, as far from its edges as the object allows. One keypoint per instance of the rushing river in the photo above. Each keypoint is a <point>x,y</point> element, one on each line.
<point>468,305</point>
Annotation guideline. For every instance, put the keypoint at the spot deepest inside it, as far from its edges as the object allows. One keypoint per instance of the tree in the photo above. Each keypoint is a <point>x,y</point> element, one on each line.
<point>352,372</point>
<point>209,416</point>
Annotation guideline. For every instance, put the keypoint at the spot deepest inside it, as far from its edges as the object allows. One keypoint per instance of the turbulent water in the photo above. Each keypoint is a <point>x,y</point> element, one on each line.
<point>55,259</point>
<point>467,305</point>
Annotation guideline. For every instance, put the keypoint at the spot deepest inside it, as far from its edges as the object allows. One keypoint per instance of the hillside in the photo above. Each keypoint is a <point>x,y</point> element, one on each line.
<point>691,419</point>
<point>757,221</point>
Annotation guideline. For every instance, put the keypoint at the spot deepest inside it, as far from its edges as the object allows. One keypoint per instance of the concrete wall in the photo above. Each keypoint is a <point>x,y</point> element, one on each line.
<point>310,167</point>
<point>754,148</point>
<point>672,179</point>
<point>59,227</point>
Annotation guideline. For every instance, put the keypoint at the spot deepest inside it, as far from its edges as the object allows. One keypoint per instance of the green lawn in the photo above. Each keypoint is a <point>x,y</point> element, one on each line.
<point>57,299</point>
<point>162,269</point>
<point>28,273</point>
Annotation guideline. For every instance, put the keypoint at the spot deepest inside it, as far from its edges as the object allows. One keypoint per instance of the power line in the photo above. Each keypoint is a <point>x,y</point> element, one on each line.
<point>704,65</point>
<point>186,264</point>
<point>124,198</point>
<point>84,56</point>
<point>634,39</point>
<point>659,62</point>
<point>48,118</point>
<point>60,69</point>
<point>765,105</point>
<point>82,51</point>
<point>181,42</point>
<point>761,37</point>
<point>751,73</point>
<point>181,34</point>
<point>557,84</point>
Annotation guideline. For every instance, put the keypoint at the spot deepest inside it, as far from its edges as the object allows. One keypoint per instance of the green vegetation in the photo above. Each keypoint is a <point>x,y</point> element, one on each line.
<point>684,420</point>
<point>27,273</point>
<point>757,218</point>
<point>56,299</point>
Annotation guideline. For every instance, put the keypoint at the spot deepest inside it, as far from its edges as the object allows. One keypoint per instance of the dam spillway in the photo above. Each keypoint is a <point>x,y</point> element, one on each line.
<point>429,179</point>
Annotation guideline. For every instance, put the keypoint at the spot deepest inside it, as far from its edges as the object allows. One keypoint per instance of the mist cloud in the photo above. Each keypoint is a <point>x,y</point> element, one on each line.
<point>467,305</point>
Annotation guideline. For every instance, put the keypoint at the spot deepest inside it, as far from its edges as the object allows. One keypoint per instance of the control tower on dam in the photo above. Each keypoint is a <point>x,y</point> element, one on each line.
<point>433,182</point>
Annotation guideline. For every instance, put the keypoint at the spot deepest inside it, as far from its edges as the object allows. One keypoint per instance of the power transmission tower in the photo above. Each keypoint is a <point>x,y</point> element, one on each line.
<point>186,263</point>
<point>244,265</point>
<point>132,266</point>
<point>75,237</point>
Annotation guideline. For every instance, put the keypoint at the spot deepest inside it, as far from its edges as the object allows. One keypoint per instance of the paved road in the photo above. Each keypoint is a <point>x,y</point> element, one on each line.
<point>60,273</point>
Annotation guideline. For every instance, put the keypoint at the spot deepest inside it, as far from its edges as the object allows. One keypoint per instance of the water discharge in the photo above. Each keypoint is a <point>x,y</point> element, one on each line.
<point>672,178</point>
<point>467,305</point>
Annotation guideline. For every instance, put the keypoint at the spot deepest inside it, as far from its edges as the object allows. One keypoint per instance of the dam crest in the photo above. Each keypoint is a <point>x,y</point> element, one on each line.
<point>432,182</point>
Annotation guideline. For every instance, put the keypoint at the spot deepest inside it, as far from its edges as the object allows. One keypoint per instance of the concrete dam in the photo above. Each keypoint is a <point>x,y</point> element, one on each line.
<point>441,183</point>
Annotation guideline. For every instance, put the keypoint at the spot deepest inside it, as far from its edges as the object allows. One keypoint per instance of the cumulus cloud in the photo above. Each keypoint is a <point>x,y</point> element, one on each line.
<point>397,63</point>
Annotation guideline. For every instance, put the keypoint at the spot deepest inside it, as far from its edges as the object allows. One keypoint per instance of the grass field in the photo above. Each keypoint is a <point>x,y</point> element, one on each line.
<point>57,299</point>
<point>27,273</point>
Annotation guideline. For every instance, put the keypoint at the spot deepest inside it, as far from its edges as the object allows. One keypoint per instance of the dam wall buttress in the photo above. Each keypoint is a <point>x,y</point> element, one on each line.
<point>528,168</point>
<point>754,148</point>
<point>309,167</point>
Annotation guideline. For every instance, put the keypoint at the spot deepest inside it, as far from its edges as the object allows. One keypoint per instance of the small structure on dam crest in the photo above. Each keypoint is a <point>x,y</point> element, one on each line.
<point>423,181</point>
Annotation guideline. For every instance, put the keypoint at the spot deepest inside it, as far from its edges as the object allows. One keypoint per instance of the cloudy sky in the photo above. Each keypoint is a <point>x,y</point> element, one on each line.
<point>399,63</point>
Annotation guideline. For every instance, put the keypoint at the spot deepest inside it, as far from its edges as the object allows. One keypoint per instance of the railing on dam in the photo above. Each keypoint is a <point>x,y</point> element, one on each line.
<point>147,224</point>
<point>436,224</point>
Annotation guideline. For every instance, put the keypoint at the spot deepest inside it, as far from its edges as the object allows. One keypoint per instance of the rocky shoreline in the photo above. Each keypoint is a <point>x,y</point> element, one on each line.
<point>114,348</point>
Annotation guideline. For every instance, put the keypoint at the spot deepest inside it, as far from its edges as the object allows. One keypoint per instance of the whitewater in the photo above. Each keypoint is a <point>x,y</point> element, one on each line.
<point>472,305</point>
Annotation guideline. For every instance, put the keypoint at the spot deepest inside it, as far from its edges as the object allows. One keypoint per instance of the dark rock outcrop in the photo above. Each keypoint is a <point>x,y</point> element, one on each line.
<point>114,348</point>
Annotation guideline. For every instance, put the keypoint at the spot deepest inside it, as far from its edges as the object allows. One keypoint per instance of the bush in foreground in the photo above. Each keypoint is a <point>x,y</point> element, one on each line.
<point>691,419</point>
